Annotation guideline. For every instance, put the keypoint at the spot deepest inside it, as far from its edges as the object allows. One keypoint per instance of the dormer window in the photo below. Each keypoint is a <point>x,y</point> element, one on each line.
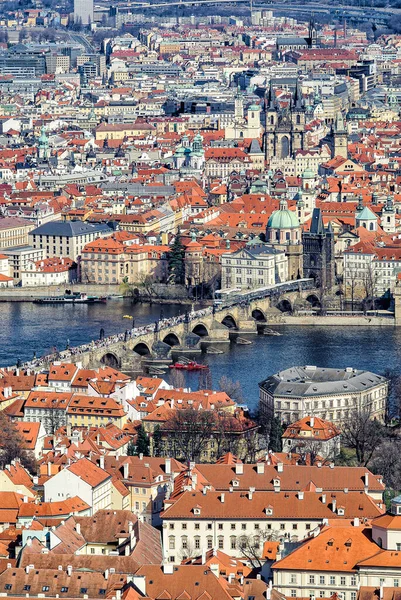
<point>235,482</point>
<point>269,510</point>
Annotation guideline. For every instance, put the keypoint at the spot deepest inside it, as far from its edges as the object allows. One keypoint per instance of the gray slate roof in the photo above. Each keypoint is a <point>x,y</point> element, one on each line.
<point>71,228</point>
<point>297,382</point>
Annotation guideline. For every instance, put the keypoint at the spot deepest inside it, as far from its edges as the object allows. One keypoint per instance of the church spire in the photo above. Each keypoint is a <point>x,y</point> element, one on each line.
<point>340,125</point>
<point>271,99</point>
<point>298,99</point>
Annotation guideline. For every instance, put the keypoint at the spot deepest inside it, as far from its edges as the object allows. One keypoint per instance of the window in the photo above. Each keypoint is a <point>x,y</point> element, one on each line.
<point>209,526</point>
<point>396,583</point>
<point>64,589</point>
<point>311,579</point>
<point>171,525</point>
<point>220,525</point>
<point>92,551</point>
<point>282,525</point>
<point>197,543</point>
<point>184,543</point>
<point>322,594</point>
<point>171,543</point>
<point>232,525</point>
<point>322,580</point>
<point>342,581</point>
<point>295,526</point>
<point>209,543</point>
<point>293,593</point>
<point>233,543</point>
<point>307,526</point>
<point>243,526</point>
<point>221,543</point>
<point>102,592</point>
<point>353,579</point>
<point>197,526</point>
<point>293,578</point>
<point>27,588</point>
<point>8,586</point>
<point>45,588</point>
<point>353,595</point>
<point>184,526</point>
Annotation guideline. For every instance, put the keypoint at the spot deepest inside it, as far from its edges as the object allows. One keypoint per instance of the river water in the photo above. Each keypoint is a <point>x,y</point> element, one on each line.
<point>27,328</point>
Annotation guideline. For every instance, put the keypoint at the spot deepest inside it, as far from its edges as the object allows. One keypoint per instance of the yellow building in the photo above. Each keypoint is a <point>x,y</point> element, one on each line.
<point>90,411</point>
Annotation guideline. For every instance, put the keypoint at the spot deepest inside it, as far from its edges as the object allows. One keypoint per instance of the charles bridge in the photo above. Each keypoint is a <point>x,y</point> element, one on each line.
<point>240,313</point>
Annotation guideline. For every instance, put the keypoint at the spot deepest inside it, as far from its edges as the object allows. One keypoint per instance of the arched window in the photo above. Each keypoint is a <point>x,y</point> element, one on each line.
<point>171,542</point>
<point>298,119</point>
<point>209,541</point>
<point>272,120</point>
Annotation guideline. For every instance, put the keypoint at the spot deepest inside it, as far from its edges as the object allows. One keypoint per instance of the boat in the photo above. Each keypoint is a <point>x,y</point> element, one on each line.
<point>271,332</point>
<point>188,366</point>
<point>70,298</point>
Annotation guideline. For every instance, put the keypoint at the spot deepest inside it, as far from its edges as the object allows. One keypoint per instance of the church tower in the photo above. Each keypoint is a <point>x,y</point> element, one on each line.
<point>388,216</point>
<point>298,119</point>
<point>43,145</point>
<point>340,135</point>
<point>312,37</point>
<point>238,107</point>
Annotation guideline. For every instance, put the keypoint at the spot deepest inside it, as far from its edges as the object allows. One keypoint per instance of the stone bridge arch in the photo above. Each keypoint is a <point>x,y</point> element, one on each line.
<point>110,359</point>
<point>285,305</point>
<point>259,315</point>
<point>201,330</point>
<point>142,349</point>
<point>172,339</point>
<point>313,300</point>
<point>230,322</point>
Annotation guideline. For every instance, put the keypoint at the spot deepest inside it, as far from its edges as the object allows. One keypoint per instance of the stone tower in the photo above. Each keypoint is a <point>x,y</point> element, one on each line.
<point>340,137</point>
<point>318,252</point>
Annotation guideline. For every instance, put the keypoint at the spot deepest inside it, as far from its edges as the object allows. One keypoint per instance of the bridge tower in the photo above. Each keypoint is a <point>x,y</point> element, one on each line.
<point>397,301</point>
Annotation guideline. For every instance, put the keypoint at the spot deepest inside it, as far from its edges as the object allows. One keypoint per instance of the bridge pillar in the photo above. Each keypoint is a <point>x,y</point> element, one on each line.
<point>246,323</point>
<point>218,333</point>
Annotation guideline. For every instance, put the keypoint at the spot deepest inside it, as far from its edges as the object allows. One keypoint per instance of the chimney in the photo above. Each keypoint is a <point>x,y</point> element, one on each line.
<point>366,480</point>
<point>49,469</point>
<point>106,574</point>
<point>214,567</point>
<point>323,498</point>
<point>130,526</point>
<point>260,467</point>
<point>25,499</point>
<point>334,504</point>
<point>356,522</point>
<point>239,469</point>
<point>231,578</point>
<point>141,456</point>
<point>126,470</point>
<point>127,550</point>
<point>167,466</point>
<point>203,556</point>
<point>221,497</point>
<point>29,541</point>
<point>27,569</point>
<point>312,421</point>
<point>118,594</point>
<point>280,467</point>
<point>101,462</point>
<point>381,590</point>
<point>78,528</point>
<point>69,570</point>
<point>300,495</point>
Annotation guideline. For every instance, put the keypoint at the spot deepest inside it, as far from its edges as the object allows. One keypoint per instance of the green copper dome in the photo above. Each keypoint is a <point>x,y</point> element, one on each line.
<point>254,107</point>
<point>308,174</point>
<point>283,218</point>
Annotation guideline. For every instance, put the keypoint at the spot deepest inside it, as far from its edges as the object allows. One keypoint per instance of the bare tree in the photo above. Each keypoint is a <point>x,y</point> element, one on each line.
<point>12,446</point>
<point>231,388</point>
<point>251,546</point>
<point>351,282</point>
<point>387,462</point>
<point>362,433</point>
<point>393,402</point>
<point>370,287</point>
<point>190,432</point>
<point>177,379</point>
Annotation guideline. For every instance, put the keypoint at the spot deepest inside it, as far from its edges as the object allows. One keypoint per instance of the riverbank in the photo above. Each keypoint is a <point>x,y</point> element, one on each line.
<point>336,321</point>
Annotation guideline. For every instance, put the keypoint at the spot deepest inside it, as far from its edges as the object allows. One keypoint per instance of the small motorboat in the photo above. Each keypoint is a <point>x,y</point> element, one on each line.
<point>243,341</point>
<point>271,332</point>
<point>188,366</point>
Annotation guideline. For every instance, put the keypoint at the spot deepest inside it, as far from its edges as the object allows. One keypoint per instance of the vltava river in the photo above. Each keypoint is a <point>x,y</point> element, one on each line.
<point>27,328</point>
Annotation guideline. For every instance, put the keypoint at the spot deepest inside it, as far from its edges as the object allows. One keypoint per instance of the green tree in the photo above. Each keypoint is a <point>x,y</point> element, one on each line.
<point>176,261</point>
<point>276,431</point>
<point>157,441</point>
<point>131,450</point>
<point>142,442</point>
<point>12,446</point>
